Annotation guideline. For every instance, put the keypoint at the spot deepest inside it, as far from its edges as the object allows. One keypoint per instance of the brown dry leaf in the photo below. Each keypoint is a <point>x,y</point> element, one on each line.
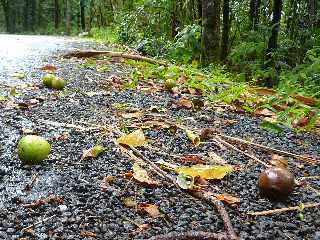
<point>151,209</point>
<point>87,234</point>
<point>134,139</point>
<point>194,159</point>
<point>142,176</point>
<point>310,101</point>
<point>264,113</point>
<point>49,68</point>
<point>132,115</point>
<point>182,79</point>
<point>214,158</point>
<point>106,182</point>
<point>184,103</point>
<point>207,133</point>
<point>305,120</point>
<point>228,199</point>
<point>279,161</point>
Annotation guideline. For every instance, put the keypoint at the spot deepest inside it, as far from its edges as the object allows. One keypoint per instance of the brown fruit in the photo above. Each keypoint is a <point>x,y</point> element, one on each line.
<point>276,183</point>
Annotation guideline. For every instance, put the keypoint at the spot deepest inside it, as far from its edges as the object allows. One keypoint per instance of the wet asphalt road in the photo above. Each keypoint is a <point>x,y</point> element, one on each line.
<point>22,54</point>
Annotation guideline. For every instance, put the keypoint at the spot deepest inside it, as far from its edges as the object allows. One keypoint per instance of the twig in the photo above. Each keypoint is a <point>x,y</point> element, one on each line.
<point>66,125</point>
<point>306,159</point>
<point>191,235</point>
<point>281,210</point>
<point>242,152</point>
<point>37,223</point>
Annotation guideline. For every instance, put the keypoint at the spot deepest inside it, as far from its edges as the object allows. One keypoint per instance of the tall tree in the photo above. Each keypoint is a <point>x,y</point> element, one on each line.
<point>67,17</point>
<point>210,31</point>
<point>275,25</point>
<point>56,14</point>
<point>226,30</point>
<point>254,13</point>
<point>82,15</point>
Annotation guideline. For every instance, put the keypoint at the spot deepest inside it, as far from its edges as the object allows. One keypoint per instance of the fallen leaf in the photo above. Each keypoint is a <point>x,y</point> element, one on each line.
<point>197,104</point>
<point>228,199</point>
<point>87,234</point>
<point>184,103</point>
<point>185,181</point>
<point>134,139</point>
<point>310,101</point>
<point>264,113</point>
<point>106,182</point>
<point>305,120</point>
<point>19,75</point>
<point>206,171</point>
<point>207,133</point>
<point>279,161</point>
<point>130,202</point>
<point>151,209</point>
<point>93,152</point>
<point>132,115</point>
<point>48,68</point>
<point>142,176</point>
<point>192,159</point>
<point>214,158</point>
<point>194,138</point>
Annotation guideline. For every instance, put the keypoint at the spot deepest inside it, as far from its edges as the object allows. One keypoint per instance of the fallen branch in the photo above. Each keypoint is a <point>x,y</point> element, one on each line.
<point>306,159</point>
<point>242,152</point>
<point>191,235</point>
<point>281,210</point>
<point>93,53</point>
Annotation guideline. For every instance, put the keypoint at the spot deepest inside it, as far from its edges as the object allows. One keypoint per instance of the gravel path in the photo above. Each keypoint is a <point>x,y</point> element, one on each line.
<point>74,204</point>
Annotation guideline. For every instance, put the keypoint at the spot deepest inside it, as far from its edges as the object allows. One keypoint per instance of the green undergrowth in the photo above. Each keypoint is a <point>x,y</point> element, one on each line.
<point>277,108</point>
<point>280,106</point>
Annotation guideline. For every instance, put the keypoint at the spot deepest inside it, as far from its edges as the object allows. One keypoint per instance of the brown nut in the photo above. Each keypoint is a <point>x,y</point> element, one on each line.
<point>276,183</point>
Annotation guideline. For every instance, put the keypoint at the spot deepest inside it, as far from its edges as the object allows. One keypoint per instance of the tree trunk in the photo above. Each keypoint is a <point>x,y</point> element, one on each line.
<point>33,14</point>
<point>82,15</point>
<point>210,31</point>
<point>273,40</point>
<point>312,12</point>
<point>226,30</point>
<point>254,14</point>
<point>56,14</point>
<point>68,17</point>
<point>199,3</point>
<point>11,9</point>
<point>174,19</point>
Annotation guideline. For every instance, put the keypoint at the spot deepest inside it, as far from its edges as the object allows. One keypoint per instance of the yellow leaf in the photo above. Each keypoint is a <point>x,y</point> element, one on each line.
<point>206,171</point>
<point>134,139</point>
<point>142,176</point>
<point>132,115</point>
<point>195,139</point>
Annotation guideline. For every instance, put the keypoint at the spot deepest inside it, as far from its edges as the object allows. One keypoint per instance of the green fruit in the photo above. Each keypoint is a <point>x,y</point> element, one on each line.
<point>170,83</point>
<point>58,83</point>
<point>47,80</point>
<point>33,149</point>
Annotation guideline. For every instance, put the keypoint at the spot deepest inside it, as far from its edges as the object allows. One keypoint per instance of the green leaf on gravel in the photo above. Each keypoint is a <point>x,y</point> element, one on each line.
<point>273,127</point>
<point>93,152</point>
<point>185,181</point>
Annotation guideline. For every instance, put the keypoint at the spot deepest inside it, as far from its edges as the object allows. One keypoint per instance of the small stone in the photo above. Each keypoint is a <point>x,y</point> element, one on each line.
<point>63,208</point>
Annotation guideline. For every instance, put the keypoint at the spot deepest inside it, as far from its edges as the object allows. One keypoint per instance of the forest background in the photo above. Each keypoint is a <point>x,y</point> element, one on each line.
<point>267,43</point>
